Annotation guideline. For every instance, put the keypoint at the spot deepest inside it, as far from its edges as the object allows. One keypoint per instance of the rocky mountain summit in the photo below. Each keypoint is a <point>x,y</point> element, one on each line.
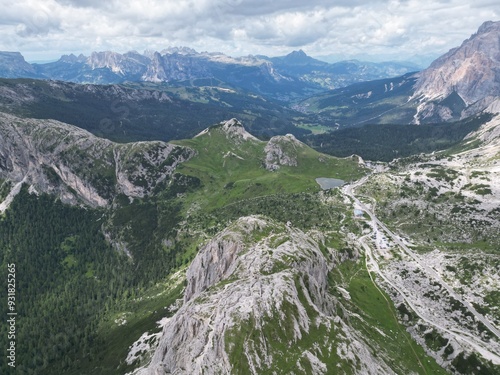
<point>282,150</point>
<point>257,287</point>
<point>463,81</point>
<point>61,159</point>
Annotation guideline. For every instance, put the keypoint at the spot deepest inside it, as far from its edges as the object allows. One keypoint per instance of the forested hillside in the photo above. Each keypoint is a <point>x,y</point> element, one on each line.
<point>387,142</point>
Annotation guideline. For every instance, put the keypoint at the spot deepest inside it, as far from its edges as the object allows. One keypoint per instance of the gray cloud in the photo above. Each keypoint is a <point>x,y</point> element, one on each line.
<point>39,23</point>
<point>98,4</point>
<point>347,28</point>
<point>265,7</point>
<point>26,19</point>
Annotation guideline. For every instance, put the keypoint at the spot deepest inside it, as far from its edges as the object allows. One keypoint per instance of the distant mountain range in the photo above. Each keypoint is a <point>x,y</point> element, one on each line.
<point>178,91</point>
<point>459,84</point>
<point>286,77</point>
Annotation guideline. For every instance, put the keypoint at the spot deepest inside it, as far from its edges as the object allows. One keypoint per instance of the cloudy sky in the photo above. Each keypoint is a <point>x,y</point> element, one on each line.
<point>373,30</point>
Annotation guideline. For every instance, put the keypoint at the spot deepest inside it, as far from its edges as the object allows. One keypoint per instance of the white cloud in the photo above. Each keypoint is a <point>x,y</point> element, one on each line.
<point>349,29</point>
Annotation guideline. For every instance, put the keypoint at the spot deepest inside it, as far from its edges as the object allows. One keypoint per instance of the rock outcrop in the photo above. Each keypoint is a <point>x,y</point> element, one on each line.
<point>235,130</point>
<point>489,133</point>
<point>462,82</point>
<point>282,150</point>
<point>79,167</point>
<point>255,288</point>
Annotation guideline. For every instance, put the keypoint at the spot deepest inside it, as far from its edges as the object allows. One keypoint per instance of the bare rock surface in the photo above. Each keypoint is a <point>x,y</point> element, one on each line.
<point>282,150</point>
<point>257,273</point>
<point>464,80</point>
<point>79,167</point>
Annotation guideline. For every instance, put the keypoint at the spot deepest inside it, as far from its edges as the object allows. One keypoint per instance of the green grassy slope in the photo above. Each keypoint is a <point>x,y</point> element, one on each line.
<point>82,269</point>
<point>232,169</point>
<point>379,321</point>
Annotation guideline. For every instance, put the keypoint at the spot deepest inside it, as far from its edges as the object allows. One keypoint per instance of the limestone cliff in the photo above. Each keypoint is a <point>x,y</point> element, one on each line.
<point>79,167</point>
<point>463,81</point>
<point>254,289</point>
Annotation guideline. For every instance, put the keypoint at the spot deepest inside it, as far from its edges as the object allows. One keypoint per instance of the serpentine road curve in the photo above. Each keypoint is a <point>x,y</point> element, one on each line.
<point>371,260</point>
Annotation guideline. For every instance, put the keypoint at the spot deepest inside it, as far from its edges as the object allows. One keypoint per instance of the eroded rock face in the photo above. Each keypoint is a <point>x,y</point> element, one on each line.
<point>256,276</point>
<point>142,166</point>
<point>465,80</point>
<point>79,167</point>
<point>194,340</point>
<point>34,151</point>
<point>235,131</point>
<point>215,263</point>
<point>281,150</point>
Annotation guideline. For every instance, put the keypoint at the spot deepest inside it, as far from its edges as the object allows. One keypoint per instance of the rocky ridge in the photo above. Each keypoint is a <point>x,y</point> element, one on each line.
<point>234,130</point>
<point>78,167</point>
<point>244,287</point>
<point>463,81</point>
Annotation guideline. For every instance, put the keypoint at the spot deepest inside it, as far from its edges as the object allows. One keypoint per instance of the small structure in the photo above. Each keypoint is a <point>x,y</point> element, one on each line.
<point>358,212</point>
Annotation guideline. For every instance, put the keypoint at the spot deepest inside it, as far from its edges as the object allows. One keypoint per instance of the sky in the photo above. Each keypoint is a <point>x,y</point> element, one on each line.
<point>375,30</point>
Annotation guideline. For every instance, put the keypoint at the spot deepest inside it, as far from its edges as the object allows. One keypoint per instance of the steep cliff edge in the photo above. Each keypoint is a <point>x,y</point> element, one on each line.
<point>79,167</point>
<point>257,300</point>
<point>463,81</point>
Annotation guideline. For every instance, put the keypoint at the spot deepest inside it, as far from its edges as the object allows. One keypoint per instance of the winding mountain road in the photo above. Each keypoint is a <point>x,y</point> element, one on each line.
<point>371,261</point>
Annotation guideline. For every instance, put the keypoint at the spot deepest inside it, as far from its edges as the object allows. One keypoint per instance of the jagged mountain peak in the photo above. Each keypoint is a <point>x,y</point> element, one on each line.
<point>233,129</point>
<point>468,76</point>
<point>489,26</point>
<point>300,54</point>
<point>182,50</point>
<point>299,58</point>
<point>72,58</point>
<point>105,59</point>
